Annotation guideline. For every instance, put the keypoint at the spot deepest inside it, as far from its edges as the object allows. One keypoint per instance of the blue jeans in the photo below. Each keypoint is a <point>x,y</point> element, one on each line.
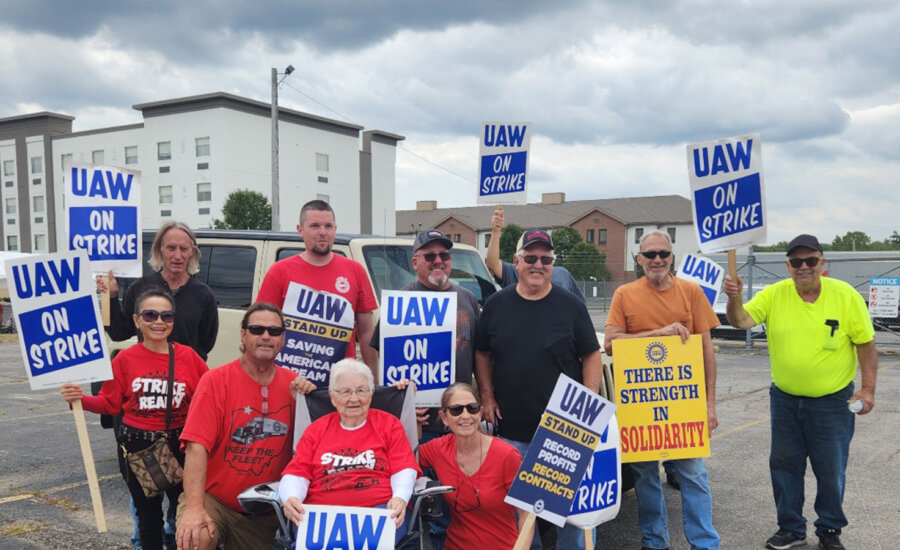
<point>168,530</point>
<point>819,428</point>
<point>569,537</point>
<point>696,504</point>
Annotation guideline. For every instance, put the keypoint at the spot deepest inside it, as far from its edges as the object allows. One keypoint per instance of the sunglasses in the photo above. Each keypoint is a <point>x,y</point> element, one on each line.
<point>471,408</point>
<point>257,330</point>
<point>532,259</point>
<point>652,254</point>
<point>151,315</point>
<point>812,261</point>
<point>430,256</point>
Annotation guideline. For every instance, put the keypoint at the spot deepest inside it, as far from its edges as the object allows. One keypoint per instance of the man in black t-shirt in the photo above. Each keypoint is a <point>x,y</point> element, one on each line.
<point>527,335</point>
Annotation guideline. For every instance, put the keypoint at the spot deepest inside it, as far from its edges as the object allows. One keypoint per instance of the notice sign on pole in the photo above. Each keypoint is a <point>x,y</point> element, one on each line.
<point>60,332</point>
<point>503,168</point>
<point>727,192</point>
<point>418,342</point>
<point>661,394</point>
<point>704,272</point>
<point>884,296</point>
<point>103,217</point>
<point>318,327</point>
<point>560,452</point>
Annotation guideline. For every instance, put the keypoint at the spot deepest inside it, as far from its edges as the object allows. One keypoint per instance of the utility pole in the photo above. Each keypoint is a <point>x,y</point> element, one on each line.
<point>276,193</point>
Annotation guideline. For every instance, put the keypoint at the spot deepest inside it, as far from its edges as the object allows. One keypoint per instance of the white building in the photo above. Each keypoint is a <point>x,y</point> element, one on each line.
<point>192,153</point>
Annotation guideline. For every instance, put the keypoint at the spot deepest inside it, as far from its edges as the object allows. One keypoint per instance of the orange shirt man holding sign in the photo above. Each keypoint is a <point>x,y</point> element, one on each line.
<point>658,305</point>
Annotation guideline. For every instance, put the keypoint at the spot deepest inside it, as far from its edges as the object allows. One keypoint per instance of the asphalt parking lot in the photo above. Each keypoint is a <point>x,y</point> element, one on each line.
<point>45,501</point>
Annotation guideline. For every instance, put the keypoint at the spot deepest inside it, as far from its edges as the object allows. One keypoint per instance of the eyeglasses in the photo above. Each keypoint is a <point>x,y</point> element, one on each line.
<point>533,259</point>
<point>345,393</point>
<point>151,315</point>
<point>464,506</point>
<point>257,330</point>
<point>471,408</point>
<point>812,261</point>
<point>264,390</point>
<point>652,254</point>
<point>430,256</point>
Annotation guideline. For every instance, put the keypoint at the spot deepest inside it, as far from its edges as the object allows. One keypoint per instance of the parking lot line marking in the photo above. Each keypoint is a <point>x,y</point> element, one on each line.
<point>51,490</point>
<point>738,429</point>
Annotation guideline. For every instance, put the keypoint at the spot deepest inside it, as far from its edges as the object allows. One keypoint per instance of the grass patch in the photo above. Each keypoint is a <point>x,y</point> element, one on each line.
<point>19,528</point>
<point>7,338</point>
<point>58,501</point>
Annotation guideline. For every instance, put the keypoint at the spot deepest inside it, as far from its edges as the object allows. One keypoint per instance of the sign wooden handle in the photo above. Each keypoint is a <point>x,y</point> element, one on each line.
<point>104,301</point>
<point>88,457</point>
<point>732,264</point>
<point>523,542</point>
<point>588,539</point>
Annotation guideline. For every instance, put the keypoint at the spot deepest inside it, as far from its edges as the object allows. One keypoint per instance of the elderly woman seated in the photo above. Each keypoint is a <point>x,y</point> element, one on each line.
<point>353,457</point>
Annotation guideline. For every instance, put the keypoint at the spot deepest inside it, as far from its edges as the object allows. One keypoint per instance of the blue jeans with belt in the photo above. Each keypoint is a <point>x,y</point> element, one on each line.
<point>820,429</point>
<point>696,504</point>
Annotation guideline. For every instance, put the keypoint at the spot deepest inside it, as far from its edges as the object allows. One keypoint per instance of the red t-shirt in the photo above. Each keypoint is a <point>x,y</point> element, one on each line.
<point>246,446</point>
<point>341,276</point>
<point>138,387</point>
<point>485,521</point>
<point>352,467</point>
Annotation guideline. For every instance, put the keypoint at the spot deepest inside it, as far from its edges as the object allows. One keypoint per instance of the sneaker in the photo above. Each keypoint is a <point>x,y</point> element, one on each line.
<point>784,539</point>
<point>672,480</point>
<point>830,540</point>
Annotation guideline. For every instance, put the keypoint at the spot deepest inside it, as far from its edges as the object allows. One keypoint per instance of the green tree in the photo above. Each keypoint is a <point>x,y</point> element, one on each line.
<point>852,240</point>
<point>245,209</point>
<point>893,241</point>
<point>780,246</point>
<point>509,236</point>
<point>584,261</point>
<point>564,239</point>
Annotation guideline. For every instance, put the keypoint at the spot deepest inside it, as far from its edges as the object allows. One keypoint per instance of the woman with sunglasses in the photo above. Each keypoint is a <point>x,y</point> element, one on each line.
<point>481,467</point>
<point>139,391</point>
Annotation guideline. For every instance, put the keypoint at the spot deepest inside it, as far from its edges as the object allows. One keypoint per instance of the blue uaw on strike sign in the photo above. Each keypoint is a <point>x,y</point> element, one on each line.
<point>103,217</point>
<point>703,271</point>
<point>318,326</point>
<point>503,166</point>
<point>597,499</point>
<point>560,452</point>
<point>60,332</point>
<point>346,527</point>
<point>418,341</point>
<point>727,191</point>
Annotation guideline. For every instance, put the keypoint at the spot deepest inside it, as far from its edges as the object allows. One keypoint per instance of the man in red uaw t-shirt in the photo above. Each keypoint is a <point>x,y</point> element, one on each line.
<point>319,268</point>
<point>238,434</point>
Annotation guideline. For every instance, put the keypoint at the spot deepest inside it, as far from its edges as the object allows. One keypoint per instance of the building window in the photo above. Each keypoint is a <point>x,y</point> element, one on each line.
<point>165,194</point>
<point>39,220</point>
<point>10,221</point>
<point>323,197</point>
<point>37,165</point>
<point>204,192</point>
<point>97,157</point>
<point>65,160</point>
<point>9,168</point>
<point>8,183</point>
<point>457,238</point>
<point>321,162</point>
<point>601,236</point>
<point>671,232</point>
<point>36,181</point>
<point>589,236</point>
<point>201,144</point>
<point>203,211</point>
<point>638,233</point>
<point>165,213</point>
<point>11,207</point>
<point>323,179</point>
<point>37,204</point>
<point>165,169</point>
<point>12,242</point>
<point>164,150</point>
<point>40,242</point>
<point>131,154</point>
<point>202,166</point>
<point>487,240</point>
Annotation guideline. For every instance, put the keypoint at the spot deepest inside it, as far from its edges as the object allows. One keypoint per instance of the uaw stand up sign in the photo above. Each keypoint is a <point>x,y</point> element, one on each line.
<point>560,452</point>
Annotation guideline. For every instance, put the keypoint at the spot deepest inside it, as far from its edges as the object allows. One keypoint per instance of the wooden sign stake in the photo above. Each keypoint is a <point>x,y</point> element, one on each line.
<point>88,457</point>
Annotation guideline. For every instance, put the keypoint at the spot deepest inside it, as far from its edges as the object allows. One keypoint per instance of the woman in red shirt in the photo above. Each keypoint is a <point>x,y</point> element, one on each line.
<point>138,391</point>
<point>481,468</point>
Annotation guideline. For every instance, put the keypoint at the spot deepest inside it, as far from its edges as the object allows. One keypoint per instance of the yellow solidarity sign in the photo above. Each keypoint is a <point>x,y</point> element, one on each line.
<point>661,398</point>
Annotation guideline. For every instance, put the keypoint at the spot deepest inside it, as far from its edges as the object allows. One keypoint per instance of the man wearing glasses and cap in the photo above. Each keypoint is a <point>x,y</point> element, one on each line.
<point>817,328</point>
<point>528,335</point>
<point>433,263</point>
<point>659,304</point>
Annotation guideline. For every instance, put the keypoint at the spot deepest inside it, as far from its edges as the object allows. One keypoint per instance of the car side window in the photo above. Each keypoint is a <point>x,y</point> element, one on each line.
<point>288,252</point>
<point>229,274</point>
<point>389,266</point>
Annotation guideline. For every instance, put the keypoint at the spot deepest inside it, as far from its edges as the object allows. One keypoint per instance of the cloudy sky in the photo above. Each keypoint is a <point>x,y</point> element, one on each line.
<point>615,90</point>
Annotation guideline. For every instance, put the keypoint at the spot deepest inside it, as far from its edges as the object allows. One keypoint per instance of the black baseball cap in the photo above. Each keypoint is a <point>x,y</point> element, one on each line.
<point>533,236</point>
<point>804,241</point>
<point>429,236</point>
